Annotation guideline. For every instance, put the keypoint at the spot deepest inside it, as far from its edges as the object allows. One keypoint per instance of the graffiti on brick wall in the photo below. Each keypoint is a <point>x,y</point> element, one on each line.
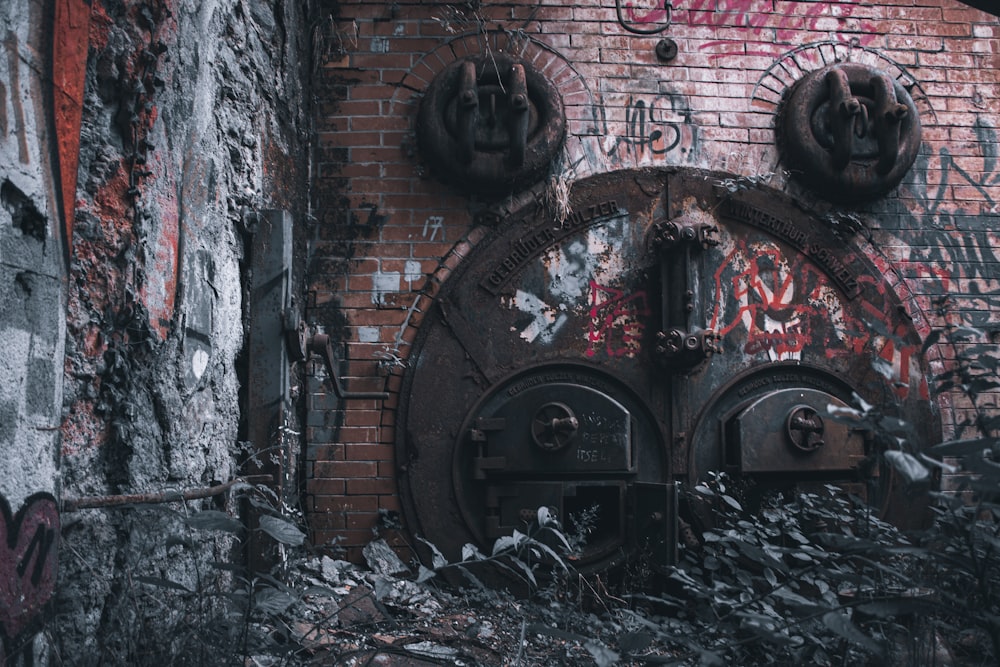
<point>762,28</point>
<point>432,226</point>
<point>616,320</point>
<point>28,557</point>
<point>958,237</point>
<point>646,129</point>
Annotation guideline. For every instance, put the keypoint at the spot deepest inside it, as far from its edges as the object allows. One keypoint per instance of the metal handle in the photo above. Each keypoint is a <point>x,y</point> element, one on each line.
<point>467,112</point>
<point>320,344</point>
<point>889,113</point>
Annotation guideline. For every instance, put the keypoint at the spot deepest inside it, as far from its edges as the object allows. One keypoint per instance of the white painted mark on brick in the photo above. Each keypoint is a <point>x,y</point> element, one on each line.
<point>384,282</point>
<point>413,272</point>
<point>368,334</point>
<point>434,224</point>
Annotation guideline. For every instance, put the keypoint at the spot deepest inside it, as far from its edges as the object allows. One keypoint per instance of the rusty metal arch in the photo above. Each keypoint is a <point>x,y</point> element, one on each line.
<point>497,332</point>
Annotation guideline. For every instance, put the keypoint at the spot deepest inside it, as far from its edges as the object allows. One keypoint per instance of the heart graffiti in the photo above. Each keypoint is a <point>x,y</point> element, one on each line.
<point>28,557</point>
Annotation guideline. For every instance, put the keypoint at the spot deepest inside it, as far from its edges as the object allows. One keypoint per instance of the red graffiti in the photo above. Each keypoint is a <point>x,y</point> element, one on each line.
<point>780,342</point>
<point>786,304</point>
<point>769,30</point>
<point>613,310</point>
<point>28,557</point>
<point>69,71</point>
<point>774,302</point>
<point>895,351</point>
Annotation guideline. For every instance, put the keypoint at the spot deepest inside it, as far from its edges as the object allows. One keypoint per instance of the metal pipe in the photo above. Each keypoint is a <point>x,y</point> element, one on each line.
<point>93,502</point>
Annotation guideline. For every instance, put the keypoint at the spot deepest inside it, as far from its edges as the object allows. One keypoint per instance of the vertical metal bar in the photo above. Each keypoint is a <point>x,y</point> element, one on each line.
<point>267,395</point>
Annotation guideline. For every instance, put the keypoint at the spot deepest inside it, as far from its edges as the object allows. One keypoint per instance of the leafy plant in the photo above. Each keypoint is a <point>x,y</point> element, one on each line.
<point>520,554</point>
<point>183,600</point>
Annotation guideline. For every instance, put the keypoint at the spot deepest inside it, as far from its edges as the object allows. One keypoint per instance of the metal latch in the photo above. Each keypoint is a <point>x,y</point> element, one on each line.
<point>680,344</point>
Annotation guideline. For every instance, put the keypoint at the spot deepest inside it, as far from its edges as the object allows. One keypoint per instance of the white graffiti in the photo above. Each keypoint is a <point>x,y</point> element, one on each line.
<point>570,268</point>
<point>434,224</point>
<point>546,320</point>
<point>383,283</point>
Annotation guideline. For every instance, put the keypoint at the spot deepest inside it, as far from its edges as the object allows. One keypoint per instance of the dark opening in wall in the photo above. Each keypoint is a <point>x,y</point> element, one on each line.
<point>23,212</point>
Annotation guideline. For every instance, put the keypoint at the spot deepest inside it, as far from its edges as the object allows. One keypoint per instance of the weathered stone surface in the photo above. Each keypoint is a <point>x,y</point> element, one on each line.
<point>188,126</point>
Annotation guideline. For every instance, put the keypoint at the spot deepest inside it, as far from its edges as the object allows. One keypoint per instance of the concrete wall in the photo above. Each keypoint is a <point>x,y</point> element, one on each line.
<point>191,122</point>
<point>32,321</point>
<point>388,233</point>
<point>32,261</point>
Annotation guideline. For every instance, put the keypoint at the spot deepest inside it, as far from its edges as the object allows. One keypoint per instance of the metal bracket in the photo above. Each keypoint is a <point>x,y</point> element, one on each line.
<point>849,118</point>
<point>491,125</point>
<point>669,233</point>
<point>321,345</point>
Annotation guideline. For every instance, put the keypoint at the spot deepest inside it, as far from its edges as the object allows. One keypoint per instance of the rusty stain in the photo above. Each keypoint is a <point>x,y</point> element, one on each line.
<point>159,289</point>
<point>82,429</point>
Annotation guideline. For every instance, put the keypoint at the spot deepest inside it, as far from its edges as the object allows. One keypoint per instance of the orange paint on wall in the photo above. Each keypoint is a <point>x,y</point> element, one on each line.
<point>69,69</point>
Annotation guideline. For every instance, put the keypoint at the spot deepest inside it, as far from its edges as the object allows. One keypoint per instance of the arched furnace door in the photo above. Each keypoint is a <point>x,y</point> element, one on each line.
<point>671,323</point>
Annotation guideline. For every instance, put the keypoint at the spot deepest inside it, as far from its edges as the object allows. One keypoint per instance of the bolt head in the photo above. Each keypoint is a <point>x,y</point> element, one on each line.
<point>666,50</point>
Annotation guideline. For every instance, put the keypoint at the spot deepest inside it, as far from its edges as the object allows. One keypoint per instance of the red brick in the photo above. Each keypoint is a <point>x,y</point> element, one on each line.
<point>370,486</point>
<point>351,434</point>
<point>363,417</point>
<point>357,139</point>
<point>390,503</point>
<point>326,452</point>
<point>341,505</point>
<point>325,487</point>
<point>362,521</point>
<point>370,452</point>
<point>326,521</point>
<point>347,538</point>
<point>345,469</point>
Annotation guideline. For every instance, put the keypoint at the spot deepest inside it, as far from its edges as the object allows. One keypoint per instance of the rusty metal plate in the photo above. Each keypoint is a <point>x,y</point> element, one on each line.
<point>544,307</point>
<point>553,428</point>
<point>565,436</point>
<point>790,430</point>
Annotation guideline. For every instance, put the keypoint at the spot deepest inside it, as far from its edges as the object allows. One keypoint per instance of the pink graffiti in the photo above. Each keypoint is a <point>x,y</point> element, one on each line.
<point>611,311</point>
<point>28,557</point>
<point>769,31</point>
<point>644,15</point>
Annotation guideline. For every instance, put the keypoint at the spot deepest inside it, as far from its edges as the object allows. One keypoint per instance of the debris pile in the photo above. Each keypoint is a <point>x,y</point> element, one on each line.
<point>346,614</point>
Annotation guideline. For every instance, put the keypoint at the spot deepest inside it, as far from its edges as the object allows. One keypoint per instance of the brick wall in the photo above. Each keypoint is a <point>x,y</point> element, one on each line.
<point>386,233</point>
